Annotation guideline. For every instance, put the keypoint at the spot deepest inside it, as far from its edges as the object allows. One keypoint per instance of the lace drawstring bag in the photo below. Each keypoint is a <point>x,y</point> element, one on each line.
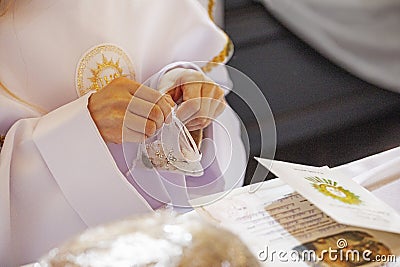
<point>171,149</point>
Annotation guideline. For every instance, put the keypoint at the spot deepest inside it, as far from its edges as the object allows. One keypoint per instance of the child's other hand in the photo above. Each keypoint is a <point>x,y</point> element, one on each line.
<point>145,108</point>
<point>202,99</point>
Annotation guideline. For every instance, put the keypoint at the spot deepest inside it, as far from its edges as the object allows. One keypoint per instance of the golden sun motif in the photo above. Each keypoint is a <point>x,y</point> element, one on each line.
<point>105,72</point>
<point>332,189</point>
<point>99,66</point>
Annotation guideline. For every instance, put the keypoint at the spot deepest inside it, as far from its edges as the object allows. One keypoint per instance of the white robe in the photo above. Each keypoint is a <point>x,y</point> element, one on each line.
<point>57,175</point>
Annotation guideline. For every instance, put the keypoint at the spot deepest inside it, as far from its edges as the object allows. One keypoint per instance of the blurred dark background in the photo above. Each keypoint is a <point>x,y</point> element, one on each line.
<point>324,115</point>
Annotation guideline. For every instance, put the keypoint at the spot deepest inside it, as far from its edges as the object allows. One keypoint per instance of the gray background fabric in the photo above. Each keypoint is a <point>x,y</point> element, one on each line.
<point>324,114</point>
<point>363,36</point>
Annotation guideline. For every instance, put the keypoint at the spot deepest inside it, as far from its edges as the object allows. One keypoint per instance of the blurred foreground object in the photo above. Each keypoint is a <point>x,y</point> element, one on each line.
<point>159,239</point>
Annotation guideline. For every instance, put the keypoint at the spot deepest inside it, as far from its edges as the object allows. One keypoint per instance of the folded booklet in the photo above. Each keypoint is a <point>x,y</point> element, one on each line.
<point>338,196</point>
<point>309,216</point>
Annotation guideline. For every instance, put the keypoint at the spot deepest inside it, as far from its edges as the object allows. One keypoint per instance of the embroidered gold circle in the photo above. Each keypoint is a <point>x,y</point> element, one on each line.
<point>100,65</point>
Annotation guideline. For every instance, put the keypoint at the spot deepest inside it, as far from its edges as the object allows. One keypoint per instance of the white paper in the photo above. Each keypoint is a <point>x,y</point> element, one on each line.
<point>339,196</point>
<point>276,223</point>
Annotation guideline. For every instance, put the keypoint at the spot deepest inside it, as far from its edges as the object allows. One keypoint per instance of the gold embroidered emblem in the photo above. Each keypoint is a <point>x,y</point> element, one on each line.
<point>105,73</point>
<point>100,65</point>
<point>332,189</point>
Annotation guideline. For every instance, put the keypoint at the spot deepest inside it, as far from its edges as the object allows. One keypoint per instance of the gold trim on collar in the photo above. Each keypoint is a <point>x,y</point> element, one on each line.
<point>226,52</point>
<point>222,57</point>
<point>2,138</point>
<point>12,95</point>
<point>211,4</point>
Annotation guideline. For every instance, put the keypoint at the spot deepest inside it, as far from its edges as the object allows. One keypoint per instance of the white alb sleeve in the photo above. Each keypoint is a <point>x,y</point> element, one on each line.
<point>57,177</point>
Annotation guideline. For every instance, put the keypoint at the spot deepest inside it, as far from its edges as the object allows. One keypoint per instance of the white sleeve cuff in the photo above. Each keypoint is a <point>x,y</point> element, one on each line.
<point>83,167</point>
<point>179,72</point>
<point>171,74</point>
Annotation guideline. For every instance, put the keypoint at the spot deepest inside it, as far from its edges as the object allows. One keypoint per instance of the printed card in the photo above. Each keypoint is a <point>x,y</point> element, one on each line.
<point>338,196</point>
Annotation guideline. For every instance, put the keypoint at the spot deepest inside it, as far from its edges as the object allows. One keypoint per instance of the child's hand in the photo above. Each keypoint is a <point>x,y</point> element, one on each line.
<point>144,115</point>
<point>202,102</point>
<point>202,99</point>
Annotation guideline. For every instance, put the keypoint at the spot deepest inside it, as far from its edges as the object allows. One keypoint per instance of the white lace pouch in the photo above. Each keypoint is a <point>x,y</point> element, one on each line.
<point>171,149</point>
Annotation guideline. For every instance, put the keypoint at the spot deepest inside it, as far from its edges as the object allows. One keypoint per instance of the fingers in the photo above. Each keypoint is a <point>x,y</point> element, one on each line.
<point>191,101</point>
<point>196,126</point>
<point>143,92</point>
<point>133,136</point>
<point>217,106</point>
<point>211,102</point>
<point>220,107</point>
<point>165,102</point>
<point>169,100</point>
<point>192,90</point>
<point>147,93</point>
<point>178,94</point>
<point>175,93</point>
<point>146,110</point>
<point>139,124</point>
<point>149,103</point>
